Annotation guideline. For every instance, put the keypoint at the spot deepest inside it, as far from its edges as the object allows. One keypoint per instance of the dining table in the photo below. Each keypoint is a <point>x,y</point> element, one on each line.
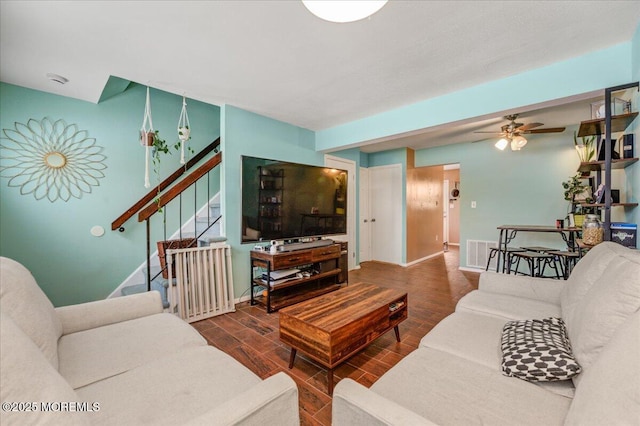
<point>508,233</point>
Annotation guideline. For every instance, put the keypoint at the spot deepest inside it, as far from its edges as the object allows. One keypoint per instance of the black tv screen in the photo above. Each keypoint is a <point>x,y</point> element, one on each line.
<point>284,201</point>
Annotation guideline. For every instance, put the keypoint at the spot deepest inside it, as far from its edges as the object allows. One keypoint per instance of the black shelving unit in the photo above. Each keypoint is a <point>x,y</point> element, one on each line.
<point>270,198</point>
<point>608,125</point>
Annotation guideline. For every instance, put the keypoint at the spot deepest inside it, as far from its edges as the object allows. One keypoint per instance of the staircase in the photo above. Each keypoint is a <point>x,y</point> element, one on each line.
<point>204,225</point>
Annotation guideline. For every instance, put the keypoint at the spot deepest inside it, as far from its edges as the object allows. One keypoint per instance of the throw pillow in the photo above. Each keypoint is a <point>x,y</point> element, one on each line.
<point>537,350</point>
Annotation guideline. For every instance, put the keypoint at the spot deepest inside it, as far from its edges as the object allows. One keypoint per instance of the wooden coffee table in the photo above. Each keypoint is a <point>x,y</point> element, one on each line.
<point>331,328</point>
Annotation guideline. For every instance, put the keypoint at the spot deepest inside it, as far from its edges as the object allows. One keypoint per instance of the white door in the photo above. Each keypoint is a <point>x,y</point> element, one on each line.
<point>350,167</point>
<point>365,216</point>
<point>385,187</point>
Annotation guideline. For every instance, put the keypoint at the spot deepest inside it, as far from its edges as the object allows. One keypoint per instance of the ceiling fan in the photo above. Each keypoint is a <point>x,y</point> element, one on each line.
<point>512,133</point>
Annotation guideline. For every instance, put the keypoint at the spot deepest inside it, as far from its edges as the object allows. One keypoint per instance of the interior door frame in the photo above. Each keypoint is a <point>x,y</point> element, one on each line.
<point>350,167</point>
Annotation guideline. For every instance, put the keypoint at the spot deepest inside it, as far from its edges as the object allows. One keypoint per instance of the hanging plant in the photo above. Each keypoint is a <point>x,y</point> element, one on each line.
<point>147,137</point>
<point>159,146</point>
<point>184,132</point>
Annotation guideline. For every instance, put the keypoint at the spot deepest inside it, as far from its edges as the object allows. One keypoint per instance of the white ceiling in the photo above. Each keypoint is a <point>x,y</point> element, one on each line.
<point>276,59</point>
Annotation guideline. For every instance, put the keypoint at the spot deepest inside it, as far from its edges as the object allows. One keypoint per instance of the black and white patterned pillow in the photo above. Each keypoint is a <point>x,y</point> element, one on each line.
<point>537,350</point>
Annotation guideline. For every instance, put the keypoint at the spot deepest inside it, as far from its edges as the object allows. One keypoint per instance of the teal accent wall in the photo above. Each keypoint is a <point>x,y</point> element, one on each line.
<point>114,86</point>
<point>509,187</point>
<point>583,74</point>
<point>635,55</point>
<point>364,159</point>
<point>53,239</point>
<point>246,133</point>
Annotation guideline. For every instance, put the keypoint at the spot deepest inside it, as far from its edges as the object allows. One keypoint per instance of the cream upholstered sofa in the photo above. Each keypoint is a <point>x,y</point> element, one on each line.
<point>455,377</point>
<point>121,362</point>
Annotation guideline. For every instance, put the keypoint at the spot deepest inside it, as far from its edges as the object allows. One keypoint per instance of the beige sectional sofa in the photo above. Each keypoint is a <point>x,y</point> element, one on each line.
<point>121,362</point>
<point>455,377</point>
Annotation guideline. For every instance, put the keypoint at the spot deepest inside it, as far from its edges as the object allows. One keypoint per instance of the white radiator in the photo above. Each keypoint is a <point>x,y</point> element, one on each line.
<point>203,281</point>
<point>478,253</point>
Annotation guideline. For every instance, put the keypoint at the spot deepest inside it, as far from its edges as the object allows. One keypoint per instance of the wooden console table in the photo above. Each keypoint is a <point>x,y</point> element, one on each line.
<point>320,266</point>
<point>331,328</point>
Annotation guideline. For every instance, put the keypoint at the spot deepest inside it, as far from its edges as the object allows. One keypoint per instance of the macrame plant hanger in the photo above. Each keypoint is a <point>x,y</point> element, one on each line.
<point>147,135</point>
<point>184,130</point>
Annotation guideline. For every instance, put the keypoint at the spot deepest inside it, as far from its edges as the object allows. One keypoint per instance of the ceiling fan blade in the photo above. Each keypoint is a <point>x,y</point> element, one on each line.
<point>528,126</point>
<point>547,130</point>
<point>494,133</point>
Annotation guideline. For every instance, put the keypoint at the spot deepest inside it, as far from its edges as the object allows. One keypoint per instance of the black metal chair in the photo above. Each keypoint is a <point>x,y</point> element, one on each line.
<point>568,260</point>
<point>537,262</point>
<point>506,255</point>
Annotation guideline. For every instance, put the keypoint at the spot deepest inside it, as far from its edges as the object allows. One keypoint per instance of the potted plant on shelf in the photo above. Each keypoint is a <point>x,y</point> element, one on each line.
<point>576,193</point>
<point>586,149</point>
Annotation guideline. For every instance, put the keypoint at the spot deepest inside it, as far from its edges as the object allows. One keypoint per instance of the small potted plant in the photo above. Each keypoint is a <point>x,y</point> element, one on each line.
<point>158,146</point>
<point>184,134</point>
<point>586,148</point>
<point>575,192</point>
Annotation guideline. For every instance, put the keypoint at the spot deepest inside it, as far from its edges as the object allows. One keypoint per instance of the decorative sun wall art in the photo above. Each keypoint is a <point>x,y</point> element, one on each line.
<point>50,160</point>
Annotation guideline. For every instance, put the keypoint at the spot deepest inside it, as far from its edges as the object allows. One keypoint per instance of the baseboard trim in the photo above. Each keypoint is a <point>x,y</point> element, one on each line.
<point>242,299</point>
<point>422,259</point>
<point>468,269</point>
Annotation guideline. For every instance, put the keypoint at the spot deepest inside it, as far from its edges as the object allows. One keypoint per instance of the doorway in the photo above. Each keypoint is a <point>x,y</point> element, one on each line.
<point>451,203</point>
<point>350,167</point>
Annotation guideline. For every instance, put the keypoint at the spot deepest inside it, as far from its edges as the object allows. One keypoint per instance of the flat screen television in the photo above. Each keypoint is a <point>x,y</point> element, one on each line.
<point>289,201</point>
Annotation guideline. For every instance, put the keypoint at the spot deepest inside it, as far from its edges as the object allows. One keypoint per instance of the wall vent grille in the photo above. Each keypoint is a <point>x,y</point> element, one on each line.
<point>478,253</point>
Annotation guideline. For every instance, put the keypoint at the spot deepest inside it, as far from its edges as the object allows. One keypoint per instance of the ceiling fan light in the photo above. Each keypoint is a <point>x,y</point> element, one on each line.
<point>518,142</point>
<point>501,144</point>
<point>343,10</point>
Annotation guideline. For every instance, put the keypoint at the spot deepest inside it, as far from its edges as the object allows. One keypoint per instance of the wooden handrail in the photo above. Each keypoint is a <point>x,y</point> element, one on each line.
<point>177,189</point>
<point>117,224</point>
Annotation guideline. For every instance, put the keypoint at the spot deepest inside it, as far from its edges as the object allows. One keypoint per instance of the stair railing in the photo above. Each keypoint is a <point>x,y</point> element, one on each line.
<point>156,200</point>
<point>151,195</point>
<point>171,194</point>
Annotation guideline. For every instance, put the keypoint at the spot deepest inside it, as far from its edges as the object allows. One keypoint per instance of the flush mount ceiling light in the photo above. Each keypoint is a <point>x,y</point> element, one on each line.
<point>57,78</point>
<point>343,10</point>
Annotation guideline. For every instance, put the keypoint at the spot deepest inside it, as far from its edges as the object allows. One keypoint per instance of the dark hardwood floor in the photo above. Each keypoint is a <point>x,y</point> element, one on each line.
<point>250,335</point>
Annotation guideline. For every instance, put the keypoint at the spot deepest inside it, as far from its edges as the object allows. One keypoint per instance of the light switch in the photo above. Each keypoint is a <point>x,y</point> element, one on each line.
<point>473,204</point>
